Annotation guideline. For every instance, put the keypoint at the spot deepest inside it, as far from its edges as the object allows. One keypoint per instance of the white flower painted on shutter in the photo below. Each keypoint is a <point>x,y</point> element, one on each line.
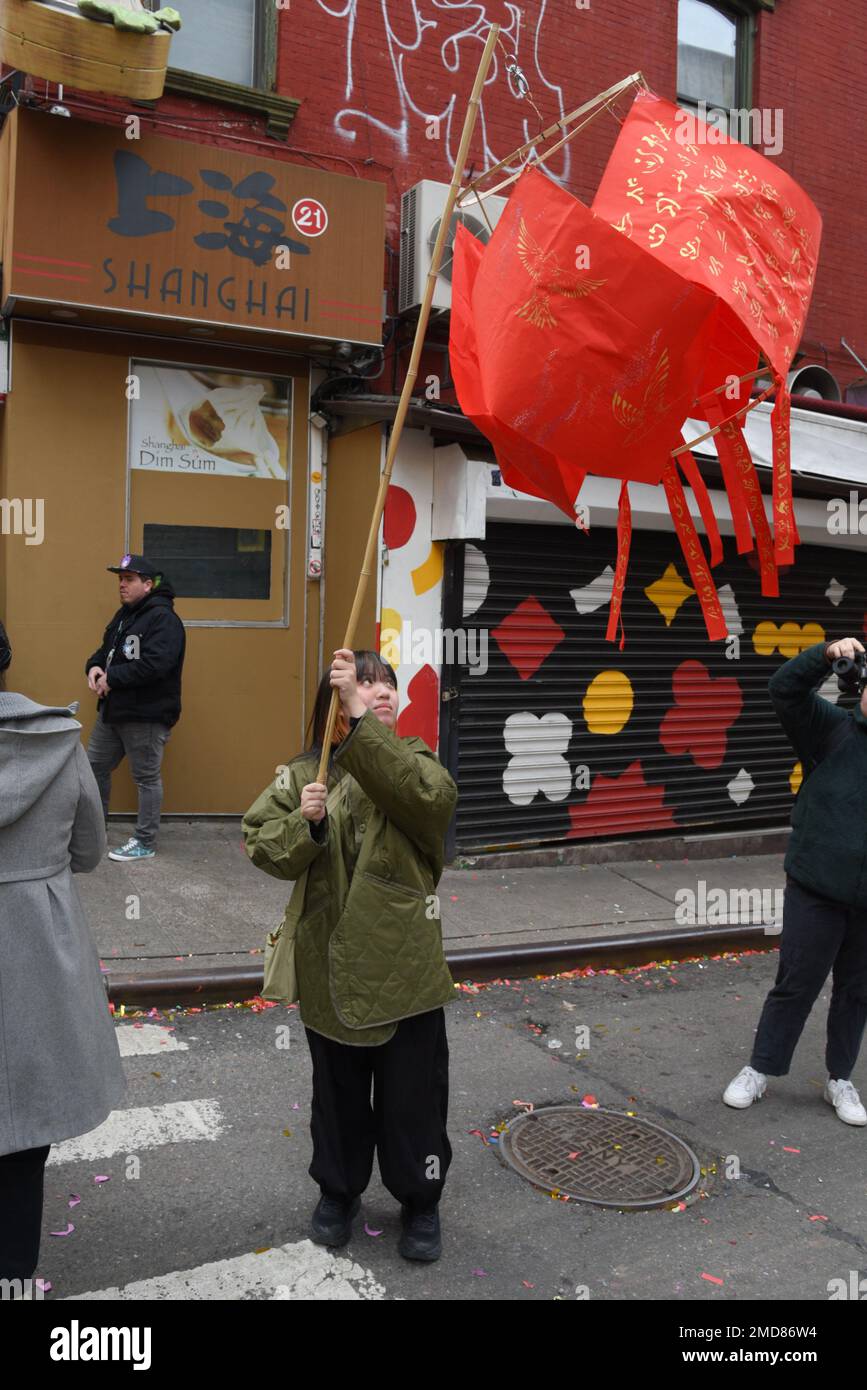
<point>537,763</point>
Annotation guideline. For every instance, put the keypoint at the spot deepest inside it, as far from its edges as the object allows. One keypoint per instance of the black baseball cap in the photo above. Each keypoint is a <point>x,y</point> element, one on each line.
<point>138,565</point>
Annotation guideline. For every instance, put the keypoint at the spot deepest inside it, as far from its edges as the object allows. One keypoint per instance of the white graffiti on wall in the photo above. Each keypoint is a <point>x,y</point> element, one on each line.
<point>432,47</point>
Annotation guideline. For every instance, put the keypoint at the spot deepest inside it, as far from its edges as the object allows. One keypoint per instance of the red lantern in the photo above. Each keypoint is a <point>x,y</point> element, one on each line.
<point>582,340</point>
<point>724,216</point>
<point>575,352</point>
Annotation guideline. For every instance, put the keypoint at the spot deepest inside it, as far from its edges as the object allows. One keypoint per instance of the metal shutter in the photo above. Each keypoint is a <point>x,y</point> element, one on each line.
<point>532,569</point>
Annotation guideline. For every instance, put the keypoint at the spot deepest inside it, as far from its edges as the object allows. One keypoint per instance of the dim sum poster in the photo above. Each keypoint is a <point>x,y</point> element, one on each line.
<point>195,420</point>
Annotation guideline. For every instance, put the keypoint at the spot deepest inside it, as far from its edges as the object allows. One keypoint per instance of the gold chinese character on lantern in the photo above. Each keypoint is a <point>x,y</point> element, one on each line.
<point>664,205</point>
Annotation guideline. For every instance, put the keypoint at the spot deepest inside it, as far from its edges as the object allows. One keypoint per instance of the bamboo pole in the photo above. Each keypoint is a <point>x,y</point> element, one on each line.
<point>751,405</point>
<point>634,79</point>
<point>412,371</point>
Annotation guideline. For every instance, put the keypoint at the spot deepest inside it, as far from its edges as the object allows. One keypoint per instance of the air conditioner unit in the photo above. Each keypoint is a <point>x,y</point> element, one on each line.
<point>421,210</point>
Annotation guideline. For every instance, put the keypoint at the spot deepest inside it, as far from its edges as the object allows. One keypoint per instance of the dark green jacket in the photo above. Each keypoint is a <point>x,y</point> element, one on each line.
<point>827,851</point>
<point>368,948</point>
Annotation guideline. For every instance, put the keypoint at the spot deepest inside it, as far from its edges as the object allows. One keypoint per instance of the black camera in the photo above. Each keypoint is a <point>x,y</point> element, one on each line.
<point>851,673</point>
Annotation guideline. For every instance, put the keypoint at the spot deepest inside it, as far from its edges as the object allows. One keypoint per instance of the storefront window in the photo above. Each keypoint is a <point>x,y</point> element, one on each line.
<point>212,561</point>
<point>209,469</point>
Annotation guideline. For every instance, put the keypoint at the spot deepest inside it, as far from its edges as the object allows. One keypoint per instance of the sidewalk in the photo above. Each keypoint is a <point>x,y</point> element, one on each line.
<point>201,904</point>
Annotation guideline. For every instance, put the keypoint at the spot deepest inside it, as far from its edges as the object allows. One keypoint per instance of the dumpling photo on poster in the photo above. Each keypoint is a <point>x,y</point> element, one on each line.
<point>196,420</point>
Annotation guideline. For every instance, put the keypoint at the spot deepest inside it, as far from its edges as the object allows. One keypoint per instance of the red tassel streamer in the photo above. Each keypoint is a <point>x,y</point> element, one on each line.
<point>624,537</point>
<point>716,625</point>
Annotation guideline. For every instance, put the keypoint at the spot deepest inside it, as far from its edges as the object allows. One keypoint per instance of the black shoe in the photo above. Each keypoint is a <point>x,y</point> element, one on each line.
<point>421,1234</point>
<point>332,1220</point>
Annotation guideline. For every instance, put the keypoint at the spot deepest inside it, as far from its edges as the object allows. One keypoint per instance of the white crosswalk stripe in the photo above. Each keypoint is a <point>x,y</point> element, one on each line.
<point>142,1039</point>
<point>129,1131</point>
<point>297,1271</point>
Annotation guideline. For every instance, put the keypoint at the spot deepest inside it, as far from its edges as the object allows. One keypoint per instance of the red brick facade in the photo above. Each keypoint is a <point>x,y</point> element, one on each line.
<point>371,101</point>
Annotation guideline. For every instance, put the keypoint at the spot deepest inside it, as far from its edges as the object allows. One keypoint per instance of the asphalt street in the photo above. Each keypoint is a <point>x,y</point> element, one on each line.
<point>198,1188</point>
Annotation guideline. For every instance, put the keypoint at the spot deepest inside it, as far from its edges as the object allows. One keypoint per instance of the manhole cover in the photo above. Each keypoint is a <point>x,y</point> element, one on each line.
<point>600,1156</point>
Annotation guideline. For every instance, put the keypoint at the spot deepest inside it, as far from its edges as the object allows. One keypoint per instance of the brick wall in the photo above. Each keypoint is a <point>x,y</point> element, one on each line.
<point>370,79</point>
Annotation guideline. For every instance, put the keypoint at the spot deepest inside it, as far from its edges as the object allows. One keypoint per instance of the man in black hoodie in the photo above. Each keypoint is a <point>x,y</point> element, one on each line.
<point>136,673</point>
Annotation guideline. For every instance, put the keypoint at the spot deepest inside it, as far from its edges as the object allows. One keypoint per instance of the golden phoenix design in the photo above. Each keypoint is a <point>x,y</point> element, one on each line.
<point>550,279</point>
<point>634,417</point>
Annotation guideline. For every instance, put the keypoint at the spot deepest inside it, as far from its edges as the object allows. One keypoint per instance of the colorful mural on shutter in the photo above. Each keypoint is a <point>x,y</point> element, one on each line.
<point>564,738</point>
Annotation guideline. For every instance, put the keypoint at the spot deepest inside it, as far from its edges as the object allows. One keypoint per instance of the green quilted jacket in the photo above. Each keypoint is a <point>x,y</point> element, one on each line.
<point>368,948</point>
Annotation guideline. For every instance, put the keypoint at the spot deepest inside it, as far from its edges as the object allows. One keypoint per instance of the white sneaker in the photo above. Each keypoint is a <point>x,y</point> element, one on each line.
<point>747,1086</point>
<point>846,1101</point>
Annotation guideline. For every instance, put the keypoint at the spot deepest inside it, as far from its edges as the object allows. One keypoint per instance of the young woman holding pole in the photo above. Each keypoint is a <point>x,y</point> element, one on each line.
<point>365,847</point>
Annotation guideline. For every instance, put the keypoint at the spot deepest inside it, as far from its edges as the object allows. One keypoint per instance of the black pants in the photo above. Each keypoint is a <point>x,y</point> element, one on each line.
<point>818,936</point>
<point>21,1182</point>
<point>407,1124</point>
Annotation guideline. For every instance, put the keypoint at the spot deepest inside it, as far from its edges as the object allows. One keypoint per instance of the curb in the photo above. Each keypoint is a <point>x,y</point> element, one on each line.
<point>225,984</point>
<point>714,846</point>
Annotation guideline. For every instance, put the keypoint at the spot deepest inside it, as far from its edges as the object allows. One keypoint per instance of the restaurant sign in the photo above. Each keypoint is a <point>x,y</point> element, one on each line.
<point>177,230</point>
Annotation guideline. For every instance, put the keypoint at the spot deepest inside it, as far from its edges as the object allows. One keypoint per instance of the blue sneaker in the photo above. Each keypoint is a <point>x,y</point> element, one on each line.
<point>133,849</point>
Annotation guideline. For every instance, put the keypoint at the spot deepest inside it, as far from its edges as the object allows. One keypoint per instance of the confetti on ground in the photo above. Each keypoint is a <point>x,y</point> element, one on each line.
<point>68,1232</point>
<point>590,1103</point>
<point>681,1206</point>
<point>480,1273</point>
<point>527,1104</point>
<point>101,1177</point>
<point>369,1232</point>
<point>44,1284</point>
<point>787,1150</point>
<point>74,1200</point>
<point>817,1216</point>
<point>711,1278</point>
<point>631,972</point>
<point>527,1285</point>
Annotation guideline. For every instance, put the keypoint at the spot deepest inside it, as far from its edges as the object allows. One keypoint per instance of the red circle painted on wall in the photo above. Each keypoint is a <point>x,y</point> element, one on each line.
<point>309,217</point>
<point>398,522</point>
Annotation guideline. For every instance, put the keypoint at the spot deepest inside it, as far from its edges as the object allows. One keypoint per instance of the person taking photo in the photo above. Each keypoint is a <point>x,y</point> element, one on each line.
<point>825,902</point>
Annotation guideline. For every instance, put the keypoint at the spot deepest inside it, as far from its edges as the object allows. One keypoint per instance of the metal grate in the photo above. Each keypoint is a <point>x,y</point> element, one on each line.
<point>619,1161</point>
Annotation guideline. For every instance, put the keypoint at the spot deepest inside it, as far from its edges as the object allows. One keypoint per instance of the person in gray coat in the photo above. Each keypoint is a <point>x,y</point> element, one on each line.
<point>60,1067</point>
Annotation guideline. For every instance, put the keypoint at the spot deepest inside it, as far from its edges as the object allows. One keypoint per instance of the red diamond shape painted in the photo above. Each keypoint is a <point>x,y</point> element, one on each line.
<point>528,636</point>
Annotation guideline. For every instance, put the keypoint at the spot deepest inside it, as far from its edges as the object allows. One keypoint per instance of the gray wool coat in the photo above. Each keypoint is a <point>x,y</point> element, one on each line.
<point>60,1068</point>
